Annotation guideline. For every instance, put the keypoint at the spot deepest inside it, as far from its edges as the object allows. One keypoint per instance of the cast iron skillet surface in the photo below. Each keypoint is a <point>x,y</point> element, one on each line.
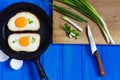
<point>45,31</point>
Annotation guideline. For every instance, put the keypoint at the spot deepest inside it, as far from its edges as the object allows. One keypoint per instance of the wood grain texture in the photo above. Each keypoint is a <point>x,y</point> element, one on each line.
<point>108,9</point>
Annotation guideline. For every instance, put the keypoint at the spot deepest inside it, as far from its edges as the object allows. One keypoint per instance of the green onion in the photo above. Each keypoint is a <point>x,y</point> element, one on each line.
<point>30,21</point>
<point>87,9</point>
<point>68,13</point>
<point>70,32</point>
<point>14,41</point>
<point>71,22</point>
<point>33,39</point>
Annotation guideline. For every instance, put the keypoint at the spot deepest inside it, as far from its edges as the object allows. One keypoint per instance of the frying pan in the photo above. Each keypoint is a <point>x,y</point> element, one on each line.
<point>45,32</point>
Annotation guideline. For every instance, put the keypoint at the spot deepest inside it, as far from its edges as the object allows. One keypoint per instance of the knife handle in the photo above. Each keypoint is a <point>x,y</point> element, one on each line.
<point>100,66</point>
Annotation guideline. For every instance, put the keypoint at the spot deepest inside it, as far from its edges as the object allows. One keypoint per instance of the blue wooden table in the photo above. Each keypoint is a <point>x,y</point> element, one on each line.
<point>65,62</point>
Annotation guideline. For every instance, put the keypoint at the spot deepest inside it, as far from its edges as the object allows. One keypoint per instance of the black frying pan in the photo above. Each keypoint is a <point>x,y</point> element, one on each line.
<point>45,32</point>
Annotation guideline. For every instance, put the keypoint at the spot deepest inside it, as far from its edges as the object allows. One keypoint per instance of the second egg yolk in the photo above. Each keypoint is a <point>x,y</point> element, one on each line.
<point>21,22</point>
<point>24,41</point>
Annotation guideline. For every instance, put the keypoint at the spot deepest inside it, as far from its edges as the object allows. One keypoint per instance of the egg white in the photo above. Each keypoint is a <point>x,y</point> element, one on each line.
<point>17,47</point>
<point>34,26</point>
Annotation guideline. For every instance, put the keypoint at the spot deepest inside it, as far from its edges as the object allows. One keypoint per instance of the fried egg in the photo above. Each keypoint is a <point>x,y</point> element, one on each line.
<point>23,21</point>
<point>28,42</point>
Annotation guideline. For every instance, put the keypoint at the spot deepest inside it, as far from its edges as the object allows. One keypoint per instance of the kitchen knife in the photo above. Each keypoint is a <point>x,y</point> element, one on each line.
<point>95,51</point>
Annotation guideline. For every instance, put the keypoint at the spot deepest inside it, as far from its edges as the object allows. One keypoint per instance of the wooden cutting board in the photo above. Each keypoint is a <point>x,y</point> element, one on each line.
<point>108,9</point>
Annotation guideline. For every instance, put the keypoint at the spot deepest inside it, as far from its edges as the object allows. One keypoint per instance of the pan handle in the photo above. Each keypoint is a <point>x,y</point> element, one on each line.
<point>40,69</point>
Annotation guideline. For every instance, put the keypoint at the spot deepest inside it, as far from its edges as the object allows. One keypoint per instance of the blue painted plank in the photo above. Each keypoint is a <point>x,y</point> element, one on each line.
<point>111,60</point>
<point>72,62</point>
<point>52,62</point>
<point>90,68</point>
<point>5,3</point>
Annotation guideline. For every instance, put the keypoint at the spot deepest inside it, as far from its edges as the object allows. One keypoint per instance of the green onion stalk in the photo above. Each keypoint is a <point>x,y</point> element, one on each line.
<point>87,9</point>
<point>68,13</point>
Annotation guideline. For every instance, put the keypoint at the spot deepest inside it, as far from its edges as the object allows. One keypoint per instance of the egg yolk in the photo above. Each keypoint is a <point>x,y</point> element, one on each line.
<point>21,22</point>
<point>24,41</point>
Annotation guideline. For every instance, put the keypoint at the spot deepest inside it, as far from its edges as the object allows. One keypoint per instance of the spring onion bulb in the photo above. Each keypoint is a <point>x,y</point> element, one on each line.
<point>71,22</point>
<point>87,9</point>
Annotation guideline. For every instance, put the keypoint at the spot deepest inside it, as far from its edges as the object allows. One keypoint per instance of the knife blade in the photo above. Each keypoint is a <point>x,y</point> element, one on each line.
<point>95,51</point>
